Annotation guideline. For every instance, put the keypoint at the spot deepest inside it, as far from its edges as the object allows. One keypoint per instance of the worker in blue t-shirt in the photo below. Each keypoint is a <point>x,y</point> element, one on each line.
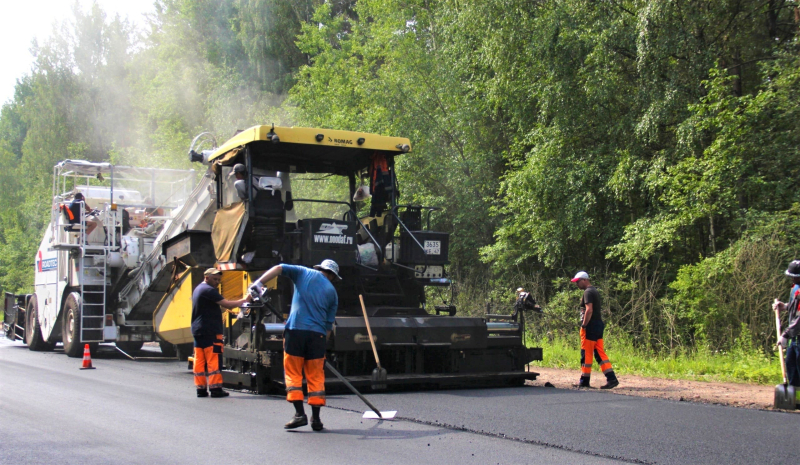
<point>310,321</point>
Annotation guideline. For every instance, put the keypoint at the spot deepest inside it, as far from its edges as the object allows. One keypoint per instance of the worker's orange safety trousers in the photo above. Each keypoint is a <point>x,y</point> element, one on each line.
<point>207,365</point>
<point>304,351</point>
<point>594,349</point>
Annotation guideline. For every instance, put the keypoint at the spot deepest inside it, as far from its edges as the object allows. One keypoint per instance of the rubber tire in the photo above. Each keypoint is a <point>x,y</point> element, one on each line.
<point>33,332</point>
<point>130,347</point>
<point>167,349</point>
<point>71,333</point>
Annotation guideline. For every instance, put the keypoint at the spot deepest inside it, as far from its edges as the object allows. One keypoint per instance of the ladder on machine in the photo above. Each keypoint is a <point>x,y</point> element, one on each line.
<point>93,268</point>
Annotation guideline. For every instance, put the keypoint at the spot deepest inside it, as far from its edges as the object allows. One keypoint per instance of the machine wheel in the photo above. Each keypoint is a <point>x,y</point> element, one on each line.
<point>130,347</point>
<point>167,348</point>
<point>184,351</point>
<point>33,332</point>
<point>71,327</point>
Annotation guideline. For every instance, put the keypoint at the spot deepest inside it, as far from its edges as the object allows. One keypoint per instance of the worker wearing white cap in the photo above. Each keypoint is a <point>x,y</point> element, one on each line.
<point>592,327</point>
<point>311,318</point>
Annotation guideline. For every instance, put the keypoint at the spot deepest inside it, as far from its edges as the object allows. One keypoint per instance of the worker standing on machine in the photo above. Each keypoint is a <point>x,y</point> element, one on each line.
<point>75,213</point>
<point>207,332</point>
<point>592,327</point>
<point>310,320</point>
<point>525,301</point>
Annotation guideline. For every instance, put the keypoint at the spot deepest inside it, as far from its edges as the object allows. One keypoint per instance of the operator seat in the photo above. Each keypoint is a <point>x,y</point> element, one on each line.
<point>268,215</point>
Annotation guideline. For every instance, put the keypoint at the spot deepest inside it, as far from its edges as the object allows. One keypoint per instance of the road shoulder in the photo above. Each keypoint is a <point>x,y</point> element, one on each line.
<point>754,396</point>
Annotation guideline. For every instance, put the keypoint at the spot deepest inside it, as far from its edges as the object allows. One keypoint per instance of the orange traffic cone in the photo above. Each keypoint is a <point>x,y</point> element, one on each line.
<point>87,358</point>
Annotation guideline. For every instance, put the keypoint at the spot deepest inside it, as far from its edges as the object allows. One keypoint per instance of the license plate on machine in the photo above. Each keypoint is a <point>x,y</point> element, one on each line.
<point>433,248</point>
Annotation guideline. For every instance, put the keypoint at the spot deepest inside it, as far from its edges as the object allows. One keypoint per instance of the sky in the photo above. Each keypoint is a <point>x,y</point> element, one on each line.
<point>24,20</point>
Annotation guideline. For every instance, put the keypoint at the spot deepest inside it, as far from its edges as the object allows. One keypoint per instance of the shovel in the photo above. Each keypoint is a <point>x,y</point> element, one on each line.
<point>375,412</point>
<point>378,374</point>
<point>784,394</point>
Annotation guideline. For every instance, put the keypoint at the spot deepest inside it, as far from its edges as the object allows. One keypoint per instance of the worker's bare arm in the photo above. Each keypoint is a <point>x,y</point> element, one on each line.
<point>271,274</point>
<point>234,303</point>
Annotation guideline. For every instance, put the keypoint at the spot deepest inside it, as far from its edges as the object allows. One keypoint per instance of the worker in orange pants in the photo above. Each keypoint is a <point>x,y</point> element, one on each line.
<point>311,318</point>
<point>589,349</point>
<point>207,333</point>
<point>304,351</point>
<point>207,364</point>
<point>592,327</point>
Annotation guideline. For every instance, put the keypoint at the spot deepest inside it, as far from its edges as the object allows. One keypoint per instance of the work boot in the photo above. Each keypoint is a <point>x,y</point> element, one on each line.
<point>297,421</point>
<point>583,383</point>
<point>202,393</point>
<point>218,392</point>
<point>316,424</point>
<point>611,384</point>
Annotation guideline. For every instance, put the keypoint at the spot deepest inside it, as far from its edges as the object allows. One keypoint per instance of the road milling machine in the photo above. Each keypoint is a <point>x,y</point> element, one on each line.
<point>269,195</point>
<point>99,272</point>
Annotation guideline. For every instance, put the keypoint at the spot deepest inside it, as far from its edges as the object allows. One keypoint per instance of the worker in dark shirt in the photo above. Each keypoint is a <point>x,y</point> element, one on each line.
<point>592,327</point>
<point>791,333</point>
<point>75,213</point>
<point>207,333</point>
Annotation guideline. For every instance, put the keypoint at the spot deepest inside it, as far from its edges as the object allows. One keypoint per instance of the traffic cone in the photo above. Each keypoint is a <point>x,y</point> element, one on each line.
<point>87,358</point>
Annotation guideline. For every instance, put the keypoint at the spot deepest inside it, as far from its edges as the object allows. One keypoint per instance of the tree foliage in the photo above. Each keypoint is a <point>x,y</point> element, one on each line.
<point>650,142</point>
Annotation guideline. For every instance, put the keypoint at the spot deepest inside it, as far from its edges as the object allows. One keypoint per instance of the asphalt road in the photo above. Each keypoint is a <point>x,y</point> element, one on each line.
<point>145,411</point>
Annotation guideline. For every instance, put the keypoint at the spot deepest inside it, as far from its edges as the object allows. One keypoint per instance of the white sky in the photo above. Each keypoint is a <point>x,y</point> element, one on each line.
<point>23,20</point>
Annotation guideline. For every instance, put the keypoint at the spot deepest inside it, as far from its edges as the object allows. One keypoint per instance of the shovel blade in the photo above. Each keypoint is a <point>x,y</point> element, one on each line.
<point>785,397</point>
<point>370,415</point>
<point>379,379</point>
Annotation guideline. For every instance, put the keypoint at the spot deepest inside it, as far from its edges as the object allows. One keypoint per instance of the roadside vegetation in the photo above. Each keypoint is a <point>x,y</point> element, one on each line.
<point>653,143</point>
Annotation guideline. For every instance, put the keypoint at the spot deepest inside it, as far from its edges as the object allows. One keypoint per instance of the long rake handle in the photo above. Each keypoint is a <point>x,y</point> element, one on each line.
<point>780,348</point>
<point>353,389</point>
<point>369,330</point>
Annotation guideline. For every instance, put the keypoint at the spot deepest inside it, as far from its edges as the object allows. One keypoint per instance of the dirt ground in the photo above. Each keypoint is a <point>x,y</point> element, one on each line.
<point>733,394</point>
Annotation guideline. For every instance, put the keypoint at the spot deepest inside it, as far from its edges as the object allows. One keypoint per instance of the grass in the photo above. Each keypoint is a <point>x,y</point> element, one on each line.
<point>737,366</point>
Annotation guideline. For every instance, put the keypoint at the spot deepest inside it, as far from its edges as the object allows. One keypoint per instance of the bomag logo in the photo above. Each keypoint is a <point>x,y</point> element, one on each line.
<point>340,141</point>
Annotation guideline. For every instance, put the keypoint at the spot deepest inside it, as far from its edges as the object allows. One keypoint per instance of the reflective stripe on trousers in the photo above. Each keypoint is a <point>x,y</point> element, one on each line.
<point>293,368</point>
<point>594,349</point>
<point>207,365</point>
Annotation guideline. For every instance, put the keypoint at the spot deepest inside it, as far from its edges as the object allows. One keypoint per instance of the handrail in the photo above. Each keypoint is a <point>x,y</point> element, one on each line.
<point>419,207</point>
<point>424,253</point>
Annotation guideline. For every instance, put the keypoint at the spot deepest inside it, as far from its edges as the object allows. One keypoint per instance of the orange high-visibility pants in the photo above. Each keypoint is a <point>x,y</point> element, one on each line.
<point>304,351</point>
<point>589,349</point>
<point>207,364</point>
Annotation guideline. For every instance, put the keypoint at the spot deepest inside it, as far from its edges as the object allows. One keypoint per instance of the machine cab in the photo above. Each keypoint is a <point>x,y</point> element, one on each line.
<point>301,195</point>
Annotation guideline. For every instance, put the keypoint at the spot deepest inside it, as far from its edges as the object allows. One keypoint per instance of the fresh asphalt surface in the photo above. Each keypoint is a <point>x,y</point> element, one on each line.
<point>146,412</point>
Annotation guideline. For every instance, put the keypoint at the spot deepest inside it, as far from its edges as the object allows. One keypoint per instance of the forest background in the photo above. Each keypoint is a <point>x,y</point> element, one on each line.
<point>653,144</point>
